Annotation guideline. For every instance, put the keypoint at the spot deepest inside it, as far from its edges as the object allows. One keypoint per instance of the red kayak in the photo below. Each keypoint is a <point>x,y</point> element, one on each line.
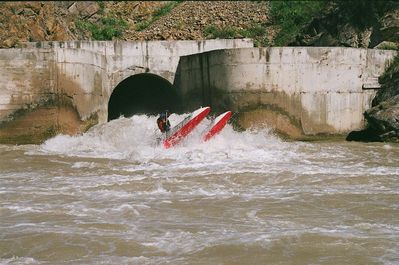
<point>216,126</point>
<point>185,127</point>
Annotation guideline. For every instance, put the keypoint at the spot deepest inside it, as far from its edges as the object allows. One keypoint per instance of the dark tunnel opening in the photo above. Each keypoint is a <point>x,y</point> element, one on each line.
<point>142,94</point>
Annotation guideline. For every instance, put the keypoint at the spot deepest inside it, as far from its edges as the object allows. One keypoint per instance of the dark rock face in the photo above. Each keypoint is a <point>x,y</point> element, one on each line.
<point>332,27</point>
<point>390,89</point>
<point>390,26</point>
<point>367,135</point>
<point>383,117</point>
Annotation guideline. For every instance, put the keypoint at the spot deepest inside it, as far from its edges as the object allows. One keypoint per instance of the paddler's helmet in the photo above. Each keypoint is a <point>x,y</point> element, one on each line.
<point>164,114</point>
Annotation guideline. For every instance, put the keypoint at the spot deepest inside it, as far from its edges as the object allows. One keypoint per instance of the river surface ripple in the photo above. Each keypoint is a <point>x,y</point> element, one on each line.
<point>112,196</point>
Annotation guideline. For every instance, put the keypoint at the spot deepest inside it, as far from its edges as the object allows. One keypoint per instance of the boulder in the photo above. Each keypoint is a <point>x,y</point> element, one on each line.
<point>383,123</point>
<point>384,119</point>
<point>367,135</point>
<point>348,36</point>
<point>390,86</point>
<point>389,29</point>
<point>84,9</point>
<point>9,43</point>
<point>387,45</point>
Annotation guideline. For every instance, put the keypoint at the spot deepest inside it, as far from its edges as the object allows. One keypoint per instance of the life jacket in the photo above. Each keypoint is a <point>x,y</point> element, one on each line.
<point>161,124</point>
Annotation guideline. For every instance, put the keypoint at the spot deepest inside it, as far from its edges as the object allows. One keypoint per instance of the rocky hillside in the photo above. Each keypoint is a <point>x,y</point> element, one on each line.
<point>333,23</point>
<point>360,24</point>
<point>133,20</point>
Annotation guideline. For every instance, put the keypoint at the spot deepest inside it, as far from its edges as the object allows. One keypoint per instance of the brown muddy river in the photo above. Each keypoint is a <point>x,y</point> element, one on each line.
<point>112,196</point>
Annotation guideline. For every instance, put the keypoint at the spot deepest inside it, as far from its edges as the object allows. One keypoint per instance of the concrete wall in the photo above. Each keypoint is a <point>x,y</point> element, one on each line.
<point>297,90</point>
<point>86,72</point>
<point>26,78</point>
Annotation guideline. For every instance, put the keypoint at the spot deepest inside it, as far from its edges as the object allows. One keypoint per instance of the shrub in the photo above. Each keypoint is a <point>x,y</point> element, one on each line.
<point>256,32</point>
<point>364,13</point>
<point>391,70</point>
<point>157,14</point>
<point>109,27</point>
<point>220,33</point>
<point>292,16</point>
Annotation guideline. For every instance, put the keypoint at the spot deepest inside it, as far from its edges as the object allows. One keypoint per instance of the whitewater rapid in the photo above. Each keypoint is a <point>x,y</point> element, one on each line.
<point>135,139</point>
<point>113,196</point>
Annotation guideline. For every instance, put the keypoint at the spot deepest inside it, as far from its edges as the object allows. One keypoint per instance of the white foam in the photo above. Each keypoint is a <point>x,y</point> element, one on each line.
<point>84,165</point>
<point>135,139</point>
<point>19,260</point>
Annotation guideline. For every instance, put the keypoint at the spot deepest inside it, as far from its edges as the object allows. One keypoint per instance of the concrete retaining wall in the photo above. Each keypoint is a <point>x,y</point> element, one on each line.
<point>88,71</point>
<point>77,78</point>
<point>297,90</point>
<point>26,78</point>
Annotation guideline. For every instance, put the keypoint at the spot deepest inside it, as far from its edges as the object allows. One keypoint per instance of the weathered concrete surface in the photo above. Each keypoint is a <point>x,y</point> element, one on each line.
<point>81,75</point>
<point>299,91</point>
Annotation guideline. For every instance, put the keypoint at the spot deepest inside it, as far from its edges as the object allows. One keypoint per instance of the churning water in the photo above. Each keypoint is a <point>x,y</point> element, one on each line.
<point>112,196</point>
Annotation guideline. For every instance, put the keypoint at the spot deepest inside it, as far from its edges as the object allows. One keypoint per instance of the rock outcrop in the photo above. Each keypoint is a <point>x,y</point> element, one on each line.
<point>383,118</point>
<point>332,27</point>
<point>383,123</point>
<point>188,20</point>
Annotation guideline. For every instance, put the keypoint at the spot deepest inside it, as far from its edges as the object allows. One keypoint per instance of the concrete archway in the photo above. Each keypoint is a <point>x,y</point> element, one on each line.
<point>142,94</point>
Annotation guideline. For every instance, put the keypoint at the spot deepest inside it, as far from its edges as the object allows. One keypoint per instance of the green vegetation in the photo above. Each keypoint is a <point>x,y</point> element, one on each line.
<point>256,32</point>
<point>364,13</point>
<point>110,26</point>
<point>101,4</point>
<point>165,9</point>
<point>143,25</point>
<point>387,45</point>
<point>292,16</point>
<point>392,69</point>
<point>220,33</point>
<point>157,14</point>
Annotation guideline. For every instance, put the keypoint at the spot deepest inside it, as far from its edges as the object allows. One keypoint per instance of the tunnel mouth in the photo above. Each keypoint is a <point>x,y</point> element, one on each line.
<point>146,93</point>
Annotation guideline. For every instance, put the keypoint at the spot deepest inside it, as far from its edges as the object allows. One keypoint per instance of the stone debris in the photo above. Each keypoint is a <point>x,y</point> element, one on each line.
<point>56,21</point>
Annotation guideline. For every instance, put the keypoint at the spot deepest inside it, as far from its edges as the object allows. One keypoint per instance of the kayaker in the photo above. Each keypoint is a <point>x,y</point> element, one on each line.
<point>163,122</point>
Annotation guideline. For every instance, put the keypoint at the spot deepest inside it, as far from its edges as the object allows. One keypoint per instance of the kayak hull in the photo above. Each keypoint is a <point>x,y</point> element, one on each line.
<point>185,127</point>
<point>216,126</point>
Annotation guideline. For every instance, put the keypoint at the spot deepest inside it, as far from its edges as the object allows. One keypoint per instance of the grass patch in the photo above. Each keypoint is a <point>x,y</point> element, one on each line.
<point>220,33</point>
<point>386,45</point>
<point>163,10</point>
<point>292,16</point>
<point>364,13</point>
<point>143,25</point>
<point>256,32</point>
<point>391,70</point>
<point>109,27</point>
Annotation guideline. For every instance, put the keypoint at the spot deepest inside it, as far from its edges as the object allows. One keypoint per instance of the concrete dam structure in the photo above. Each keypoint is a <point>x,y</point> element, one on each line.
<point>66,87</point>
<point>297,91</point>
